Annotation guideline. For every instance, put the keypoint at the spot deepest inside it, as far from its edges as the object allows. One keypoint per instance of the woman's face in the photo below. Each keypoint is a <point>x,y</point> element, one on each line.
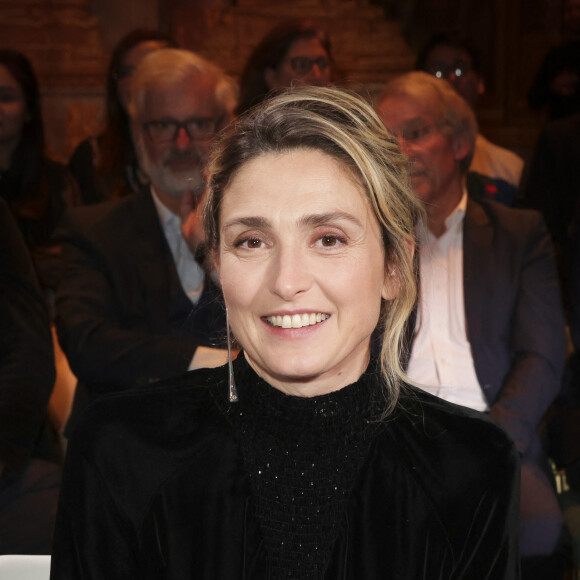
<point>129,65</point>
<point>305,63</point>
<point>13,113</point>
<point>302,268</point>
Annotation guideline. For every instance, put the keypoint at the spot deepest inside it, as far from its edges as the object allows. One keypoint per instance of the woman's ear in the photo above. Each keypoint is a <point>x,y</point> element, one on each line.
<point>391,285</point>
<point>392,282</point>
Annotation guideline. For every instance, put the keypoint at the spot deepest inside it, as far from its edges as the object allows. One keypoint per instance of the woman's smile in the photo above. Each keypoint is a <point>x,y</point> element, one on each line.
<point>297,320</point>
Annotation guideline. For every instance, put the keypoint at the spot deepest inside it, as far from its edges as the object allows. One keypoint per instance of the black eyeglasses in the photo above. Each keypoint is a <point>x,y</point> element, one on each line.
<point>457,69</point>
<point>165,130</point>
<point>302,65</point>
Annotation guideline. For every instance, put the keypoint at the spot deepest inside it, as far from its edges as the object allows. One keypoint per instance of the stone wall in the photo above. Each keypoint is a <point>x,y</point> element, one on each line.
<point>366,47</point>
<point>69,43</point>
<point>61,38</point>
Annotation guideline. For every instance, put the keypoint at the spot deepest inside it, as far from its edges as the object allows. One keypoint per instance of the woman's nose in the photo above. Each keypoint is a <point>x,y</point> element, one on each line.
<point>290,273</point>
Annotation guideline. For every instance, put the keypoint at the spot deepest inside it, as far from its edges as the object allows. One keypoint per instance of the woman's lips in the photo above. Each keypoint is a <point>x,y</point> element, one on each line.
<point>297,320</point>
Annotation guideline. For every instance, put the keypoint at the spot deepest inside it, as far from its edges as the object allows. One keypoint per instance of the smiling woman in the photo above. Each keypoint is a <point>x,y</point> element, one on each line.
<point>315,250</point>
<point>311,458</point>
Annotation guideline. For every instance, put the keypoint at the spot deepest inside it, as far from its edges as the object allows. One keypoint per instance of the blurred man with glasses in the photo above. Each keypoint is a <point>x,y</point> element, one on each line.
<point>137,302</point>
<point>495,172</point>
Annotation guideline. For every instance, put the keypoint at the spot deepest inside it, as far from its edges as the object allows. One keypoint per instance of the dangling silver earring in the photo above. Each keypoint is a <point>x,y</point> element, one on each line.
<point>232,381</point>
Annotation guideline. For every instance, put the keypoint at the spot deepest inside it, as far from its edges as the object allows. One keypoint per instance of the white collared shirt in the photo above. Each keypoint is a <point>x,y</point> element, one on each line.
<point>191,274</point>
<point>441,360</point>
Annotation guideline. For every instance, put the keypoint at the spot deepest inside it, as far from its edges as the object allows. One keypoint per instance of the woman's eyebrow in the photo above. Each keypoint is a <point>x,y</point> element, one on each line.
<point>249,222</point>
<point>315,219</point>
<point>318,219</point>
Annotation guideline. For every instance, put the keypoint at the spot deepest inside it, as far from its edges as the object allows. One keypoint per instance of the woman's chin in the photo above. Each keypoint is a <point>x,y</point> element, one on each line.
<point>306,374</point>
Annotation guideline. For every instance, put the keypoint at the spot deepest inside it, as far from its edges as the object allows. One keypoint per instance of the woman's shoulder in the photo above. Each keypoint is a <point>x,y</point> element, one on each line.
<point>456,442</point>
<point>414,403</point>
<point>455,475</point>
<point>186,406</point>
<point>132,444</point>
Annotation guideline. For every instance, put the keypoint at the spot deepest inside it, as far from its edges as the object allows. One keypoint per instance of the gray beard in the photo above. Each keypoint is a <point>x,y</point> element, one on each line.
<point>165,179</point>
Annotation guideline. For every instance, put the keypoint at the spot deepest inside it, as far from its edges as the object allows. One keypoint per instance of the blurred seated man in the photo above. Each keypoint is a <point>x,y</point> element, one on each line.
<point>451,57</point>
<point>29,482</point>
<point>136,304</point>
<point>489,328</point>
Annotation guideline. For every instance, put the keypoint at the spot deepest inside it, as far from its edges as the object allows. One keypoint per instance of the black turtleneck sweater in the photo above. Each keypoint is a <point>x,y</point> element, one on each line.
<point>302,455</point>
<point>173,481</point>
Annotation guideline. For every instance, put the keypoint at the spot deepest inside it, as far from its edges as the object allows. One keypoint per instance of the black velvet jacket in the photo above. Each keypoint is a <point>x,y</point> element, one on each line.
<point>155,487</point>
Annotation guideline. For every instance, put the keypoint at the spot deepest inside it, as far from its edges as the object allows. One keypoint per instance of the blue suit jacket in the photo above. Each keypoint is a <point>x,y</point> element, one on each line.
<point>514,317</point>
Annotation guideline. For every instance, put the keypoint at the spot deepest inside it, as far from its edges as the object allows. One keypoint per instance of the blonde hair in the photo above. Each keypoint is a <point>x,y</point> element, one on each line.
<point>343,126</point>
<point>169,65</point>
<point>453,113</point>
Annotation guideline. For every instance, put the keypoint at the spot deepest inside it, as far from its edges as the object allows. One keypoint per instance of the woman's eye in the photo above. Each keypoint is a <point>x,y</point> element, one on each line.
<point>250,243</point>
<point>330,241</point>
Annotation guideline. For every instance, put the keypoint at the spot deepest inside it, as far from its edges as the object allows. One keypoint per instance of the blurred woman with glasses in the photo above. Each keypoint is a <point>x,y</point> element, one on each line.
<point>294,52</point>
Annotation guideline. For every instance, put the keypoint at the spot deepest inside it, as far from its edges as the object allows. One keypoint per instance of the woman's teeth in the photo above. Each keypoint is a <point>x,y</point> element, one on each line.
<point>297,320</point>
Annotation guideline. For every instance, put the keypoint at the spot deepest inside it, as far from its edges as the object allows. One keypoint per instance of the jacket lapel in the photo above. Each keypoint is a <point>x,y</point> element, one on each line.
<point>477,274</point>
<point>478,270</point>
<point>155,264</point>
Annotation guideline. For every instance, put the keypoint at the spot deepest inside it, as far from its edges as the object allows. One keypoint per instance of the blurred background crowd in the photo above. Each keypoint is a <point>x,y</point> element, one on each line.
<point>66,141</point>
